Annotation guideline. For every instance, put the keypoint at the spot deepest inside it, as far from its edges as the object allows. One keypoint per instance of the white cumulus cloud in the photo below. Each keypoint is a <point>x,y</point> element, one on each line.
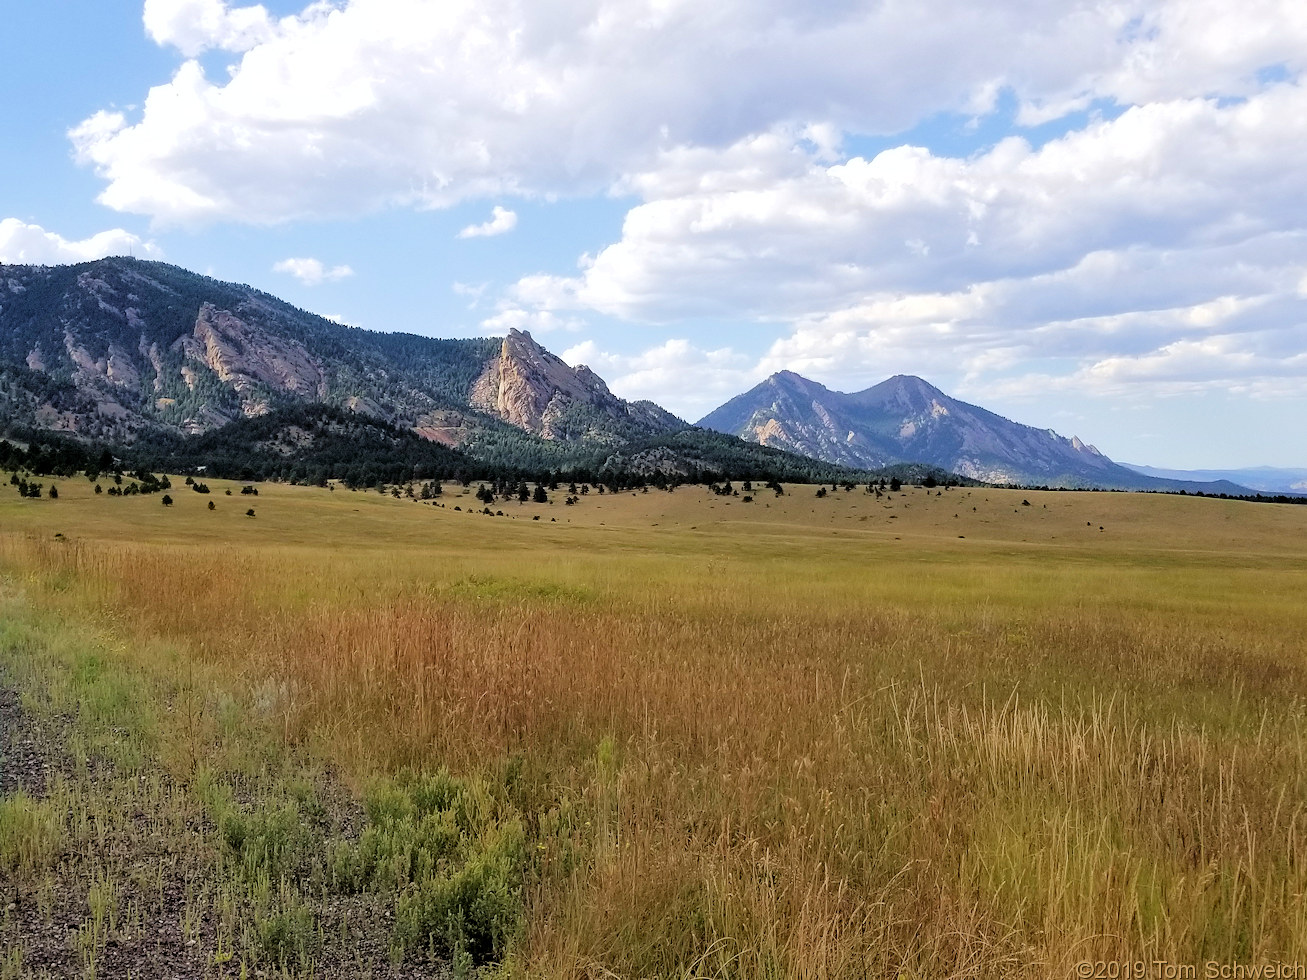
<point>193,26</point>
<point>684,377</point>
<point>501,221</point>
<point>531,321</point>
<point>311,272</point>
<point>27,244</point>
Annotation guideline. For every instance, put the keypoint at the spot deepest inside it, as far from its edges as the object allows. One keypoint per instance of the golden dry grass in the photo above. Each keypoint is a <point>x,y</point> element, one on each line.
<point>926,735</point>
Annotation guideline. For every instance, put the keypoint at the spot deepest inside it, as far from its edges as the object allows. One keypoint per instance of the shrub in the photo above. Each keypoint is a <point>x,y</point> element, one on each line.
<point>270,841</point>
<point>286,933</point>
<point>475,911</point>
<point>414,831</point>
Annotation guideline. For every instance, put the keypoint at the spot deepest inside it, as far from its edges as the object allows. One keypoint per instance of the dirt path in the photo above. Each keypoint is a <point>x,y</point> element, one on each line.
<point>30,752</point>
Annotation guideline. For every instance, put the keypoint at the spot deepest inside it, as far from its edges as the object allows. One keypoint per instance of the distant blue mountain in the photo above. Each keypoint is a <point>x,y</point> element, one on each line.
<point>905,419</point>
<point>1263,479</point>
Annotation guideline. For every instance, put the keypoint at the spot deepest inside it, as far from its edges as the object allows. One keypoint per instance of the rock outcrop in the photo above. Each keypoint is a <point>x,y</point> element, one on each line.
<point>539,392</point>
<point>246,357</point>
<point>529,387</point>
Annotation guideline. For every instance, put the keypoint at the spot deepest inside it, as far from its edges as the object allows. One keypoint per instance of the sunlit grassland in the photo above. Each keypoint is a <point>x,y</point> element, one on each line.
<point>921,735</point>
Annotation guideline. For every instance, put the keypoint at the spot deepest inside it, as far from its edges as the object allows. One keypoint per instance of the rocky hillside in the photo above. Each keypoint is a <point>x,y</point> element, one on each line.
<point>111,348</point>
<point>906,419</point>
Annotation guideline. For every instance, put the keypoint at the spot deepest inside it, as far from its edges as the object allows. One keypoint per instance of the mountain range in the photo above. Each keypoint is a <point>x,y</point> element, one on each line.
<point>907,418</point>
<point>1263,479</point>
<point>126,352</point>
<point>169,367</point>
<point>118,346</point>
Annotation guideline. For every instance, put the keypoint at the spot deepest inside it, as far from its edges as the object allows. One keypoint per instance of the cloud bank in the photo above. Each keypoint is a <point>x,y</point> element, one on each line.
<point>357,105</point>
<point>1175,227</point>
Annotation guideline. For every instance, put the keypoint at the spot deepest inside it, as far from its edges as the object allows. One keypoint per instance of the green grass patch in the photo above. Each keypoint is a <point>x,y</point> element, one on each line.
<point>31,834</point>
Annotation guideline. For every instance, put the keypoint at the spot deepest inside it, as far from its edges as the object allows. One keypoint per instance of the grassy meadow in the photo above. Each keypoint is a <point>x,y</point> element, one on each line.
<point>942,733</point>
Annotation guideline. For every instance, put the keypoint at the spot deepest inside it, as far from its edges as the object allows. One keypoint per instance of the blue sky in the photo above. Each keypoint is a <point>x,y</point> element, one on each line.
<point>1085,216</point>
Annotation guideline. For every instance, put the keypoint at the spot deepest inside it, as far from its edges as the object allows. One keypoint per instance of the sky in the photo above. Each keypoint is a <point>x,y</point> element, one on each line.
<point>1085,216</point>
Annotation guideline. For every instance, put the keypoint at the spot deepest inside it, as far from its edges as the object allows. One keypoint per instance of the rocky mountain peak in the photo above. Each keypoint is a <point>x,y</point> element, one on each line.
<point>539,392</point>
<point>905,418</point>
<point>789,381</point>
<point>528,387</point>
<point>1084,447</point>
<point>905,391</point>
<point>910,382</point>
